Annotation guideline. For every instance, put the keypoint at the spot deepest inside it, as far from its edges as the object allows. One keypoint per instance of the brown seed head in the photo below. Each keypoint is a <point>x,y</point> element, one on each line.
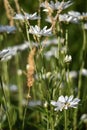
<point>31,68</point>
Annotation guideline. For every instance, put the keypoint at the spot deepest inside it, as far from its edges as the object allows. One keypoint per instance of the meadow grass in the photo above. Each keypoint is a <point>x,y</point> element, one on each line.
<point>43,78</point>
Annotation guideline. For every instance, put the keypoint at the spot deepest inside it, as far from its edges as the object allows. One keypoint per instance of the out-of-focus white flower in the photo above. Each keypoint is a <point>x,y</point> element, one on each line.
<point>84,118</point>
<point>71,17</point>
<point>51,52</point>
<point>83,16</point>
<point>65,103</point>
<point>13,88</point>
<point>26,16</point>
<point>8,29</point>
<point>7,54</point>
<point>72,74</point>
<point>84,72</point>
<point>85,26</point>
<point>45,104</point>
<point>66,18</point>
<point>3,52</point>
<point>34,103</point>
<point>19,72</point>
<point>38,32</point>
<point>74,14</point>
<point>27,66</point>
<point>19,17</point>
<point>67,58</point>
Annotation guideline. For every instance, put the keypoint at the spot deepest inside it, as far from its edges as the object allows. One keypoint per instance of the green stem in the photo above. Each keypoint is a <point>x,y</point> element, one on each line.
<point>82,63</point>
<point>52,124</point>
<point>27,32</point>
<point>25,110</point>
<point>47,120</point>
<point>82,56</point>
<point>65,122</point>
<point>6,105</point>
<point>6,78</point>
<point>66,40</point>
<point>20,89</point>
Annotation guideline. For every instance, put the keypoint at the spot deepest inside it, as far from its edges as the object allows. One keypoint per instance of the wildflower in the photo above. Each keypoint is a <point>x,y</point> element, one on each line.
<point>83,16</point>
<point>84,118</point>
<point>7,29</point>
<point>13,88</point>
<point>19,72</point>
<point>45,104</point>
<point>26,16</point>
<point>51,53</point>
<point>48,42</point>
<point>67,58</point>
<point>57,5</point>
<point>23,46</point>
<point>71,17</point>
<point>7,54</point>
<point>3,52</point>
<point>72,74</point>
<point>74,14</point>
<point>85,26</point>
<point>38,32</point>
<point>84,72</point>
<point>34,103</point>
<point>67,18</point>
<point>47,7</point>
<point>65,103</point>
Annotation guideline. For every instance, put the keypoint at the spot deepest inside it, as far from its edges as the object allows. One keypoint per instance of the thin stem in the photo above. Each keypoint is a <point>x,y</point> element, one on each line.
<point>82,56</point>
<point>50,120</point>
<point>27,25</point>
<point>82,63</point>
<point>20,89</point>
<point>6,78</point>
<point>66,40</point>
<point>25,110</point>
<point>39,13</point>
<point>65,122</point>
<point>5,103</point>
<point>58,43</point>
<point>47,120</point>
<point>52,124</point>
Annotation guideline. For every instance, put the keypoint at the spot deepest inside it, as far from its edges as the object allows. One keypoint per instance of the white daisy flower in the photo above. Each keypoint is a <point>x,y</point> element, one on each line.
<point>26,16</point>
<point>38,32</point>
<point>65,103</point>
<point>57,5</point>
<point>7,29</point>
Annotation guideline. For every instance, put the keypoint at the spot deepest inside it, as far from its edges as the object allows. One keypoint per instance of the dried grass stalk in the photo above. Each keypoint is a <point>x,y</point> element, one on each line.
<point>9,12</point>
<point>17,6</point>
<point>31,68</point>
